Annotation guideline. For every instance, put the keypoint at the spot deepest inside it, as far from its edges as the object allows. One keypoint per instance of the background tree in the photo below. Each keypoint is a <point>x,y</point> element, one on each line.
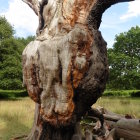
<point>10,56</point>
<point>124,61</point>
<point>6,30</point>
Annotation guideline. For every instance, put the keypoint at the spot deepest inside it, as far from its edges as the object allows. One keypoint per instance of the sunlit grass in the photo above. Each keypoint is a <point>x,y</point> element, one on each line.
<point>16,118</point>
<point>121,105</point>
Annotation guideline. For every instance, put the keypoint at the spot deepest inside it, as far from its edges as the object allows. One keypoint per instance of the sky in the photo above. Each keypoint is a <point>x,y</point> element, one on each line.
<point>117,19</point>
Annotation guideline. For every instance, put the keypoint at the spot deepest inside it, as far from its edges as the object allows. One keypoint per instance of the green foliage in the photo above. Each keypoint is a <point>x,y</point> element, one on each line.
<point>124,93</point>
<point>26,41</point>
<point>10,56</point>
<point>12,94</point>
<point>124,61</point>
<point>6,30</point>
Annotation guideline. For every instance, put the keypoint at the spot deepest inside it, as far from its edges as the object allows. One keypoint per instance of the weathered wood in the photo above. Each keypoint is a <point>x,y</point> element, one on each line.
<point>127,134</point>
<point>34,4</point>
<point>119,126</point>
<point>111,118</point>
<point>130,124</point>
<point>19,137</point>
<point>98,9</point>
<point>128,129</point>
<point>65,68</point>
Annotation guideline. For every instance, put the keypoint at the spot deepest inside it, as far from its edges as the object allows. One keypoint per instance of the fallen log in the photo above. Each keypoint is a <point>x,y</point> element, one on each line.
<point>128,129</point>
<point>19,137</point>
<point>131,124</point>
<point>114,126</point>
<point>107,117</point>
<point>127,134</point>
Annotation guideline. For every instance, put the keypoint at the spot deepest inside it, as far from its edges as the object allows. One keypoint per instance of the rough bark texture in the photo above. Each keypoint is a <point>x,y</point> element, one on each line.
<point>65,69</point>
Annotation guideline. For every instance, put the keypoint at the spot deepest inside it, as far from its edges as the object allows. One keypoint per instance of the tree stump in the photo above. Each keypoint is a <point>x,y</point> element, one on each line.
<point>65,68</point>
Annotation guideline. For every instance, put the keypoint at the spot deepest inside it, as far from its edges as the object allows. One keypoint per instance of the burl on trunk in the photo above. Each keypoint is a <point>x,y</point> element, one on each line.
<point>65,68</point>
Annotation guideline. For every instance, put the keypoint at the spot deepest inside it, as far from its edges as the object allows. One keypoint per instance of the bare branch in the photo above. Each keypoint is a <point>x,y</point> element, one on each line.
<point>34,4</point>
<point>98,9</point>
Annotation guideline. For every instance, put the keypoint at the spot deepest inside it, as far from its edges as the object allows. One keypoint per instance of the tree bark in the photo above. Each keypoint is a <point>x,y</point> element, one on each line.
<point>65,68</point>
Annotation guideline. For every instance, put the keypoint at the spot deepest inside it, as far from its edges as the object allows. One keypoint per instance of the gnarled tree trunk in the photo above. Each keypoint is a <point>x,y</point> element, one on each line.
<point>65,68</point>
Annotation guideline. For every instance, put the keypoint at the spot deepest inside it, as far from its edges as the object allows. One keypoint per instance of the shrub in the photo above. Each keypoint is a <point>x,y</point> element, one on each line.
<point>11,84</point>
<point>12,94</point>
<point>135,93</point>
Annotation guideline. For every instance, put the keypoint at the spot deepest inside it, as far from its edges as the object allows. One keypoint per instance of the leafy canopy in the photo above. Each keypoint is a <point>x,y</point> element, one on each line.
<point>124,61</point>
<point>10,56</point>
<point>6,30</point>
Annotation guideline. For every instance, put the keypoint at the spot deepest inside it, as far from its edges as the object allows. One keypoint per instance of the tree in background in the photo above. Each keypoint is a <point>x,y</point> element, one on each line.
<point>124,61</point>
<point>6,30</point>
<point>10,56</point>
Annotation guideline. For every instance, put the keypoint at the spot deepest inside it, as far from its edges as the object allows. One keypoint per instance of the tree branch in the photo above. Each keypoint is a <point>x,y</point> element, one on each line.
<point>34,4</point>
<point>98,9</point>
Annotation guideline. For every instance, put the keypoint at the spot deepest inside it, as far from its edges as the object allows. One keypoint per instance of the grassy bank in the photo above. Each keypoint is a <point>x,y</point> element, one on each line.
<point>16,116</point>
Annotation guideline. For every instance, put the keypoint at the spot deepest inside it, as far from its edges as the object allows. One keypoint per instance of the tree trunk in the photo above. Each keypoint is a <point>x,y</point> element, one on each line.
<point>65,69</point>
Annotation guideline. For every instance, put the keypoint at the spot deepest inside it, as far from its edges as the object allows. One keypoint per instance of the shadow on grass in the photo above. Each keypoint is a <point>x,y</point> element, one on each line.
<point>13,127</point>
<point>12,99</point>
<point>12,95</point>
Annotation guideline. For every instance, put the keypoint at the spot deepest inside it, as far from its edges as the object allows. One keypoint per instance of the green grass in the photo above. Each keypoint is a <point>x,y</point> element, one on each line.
<point>16,118</point>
